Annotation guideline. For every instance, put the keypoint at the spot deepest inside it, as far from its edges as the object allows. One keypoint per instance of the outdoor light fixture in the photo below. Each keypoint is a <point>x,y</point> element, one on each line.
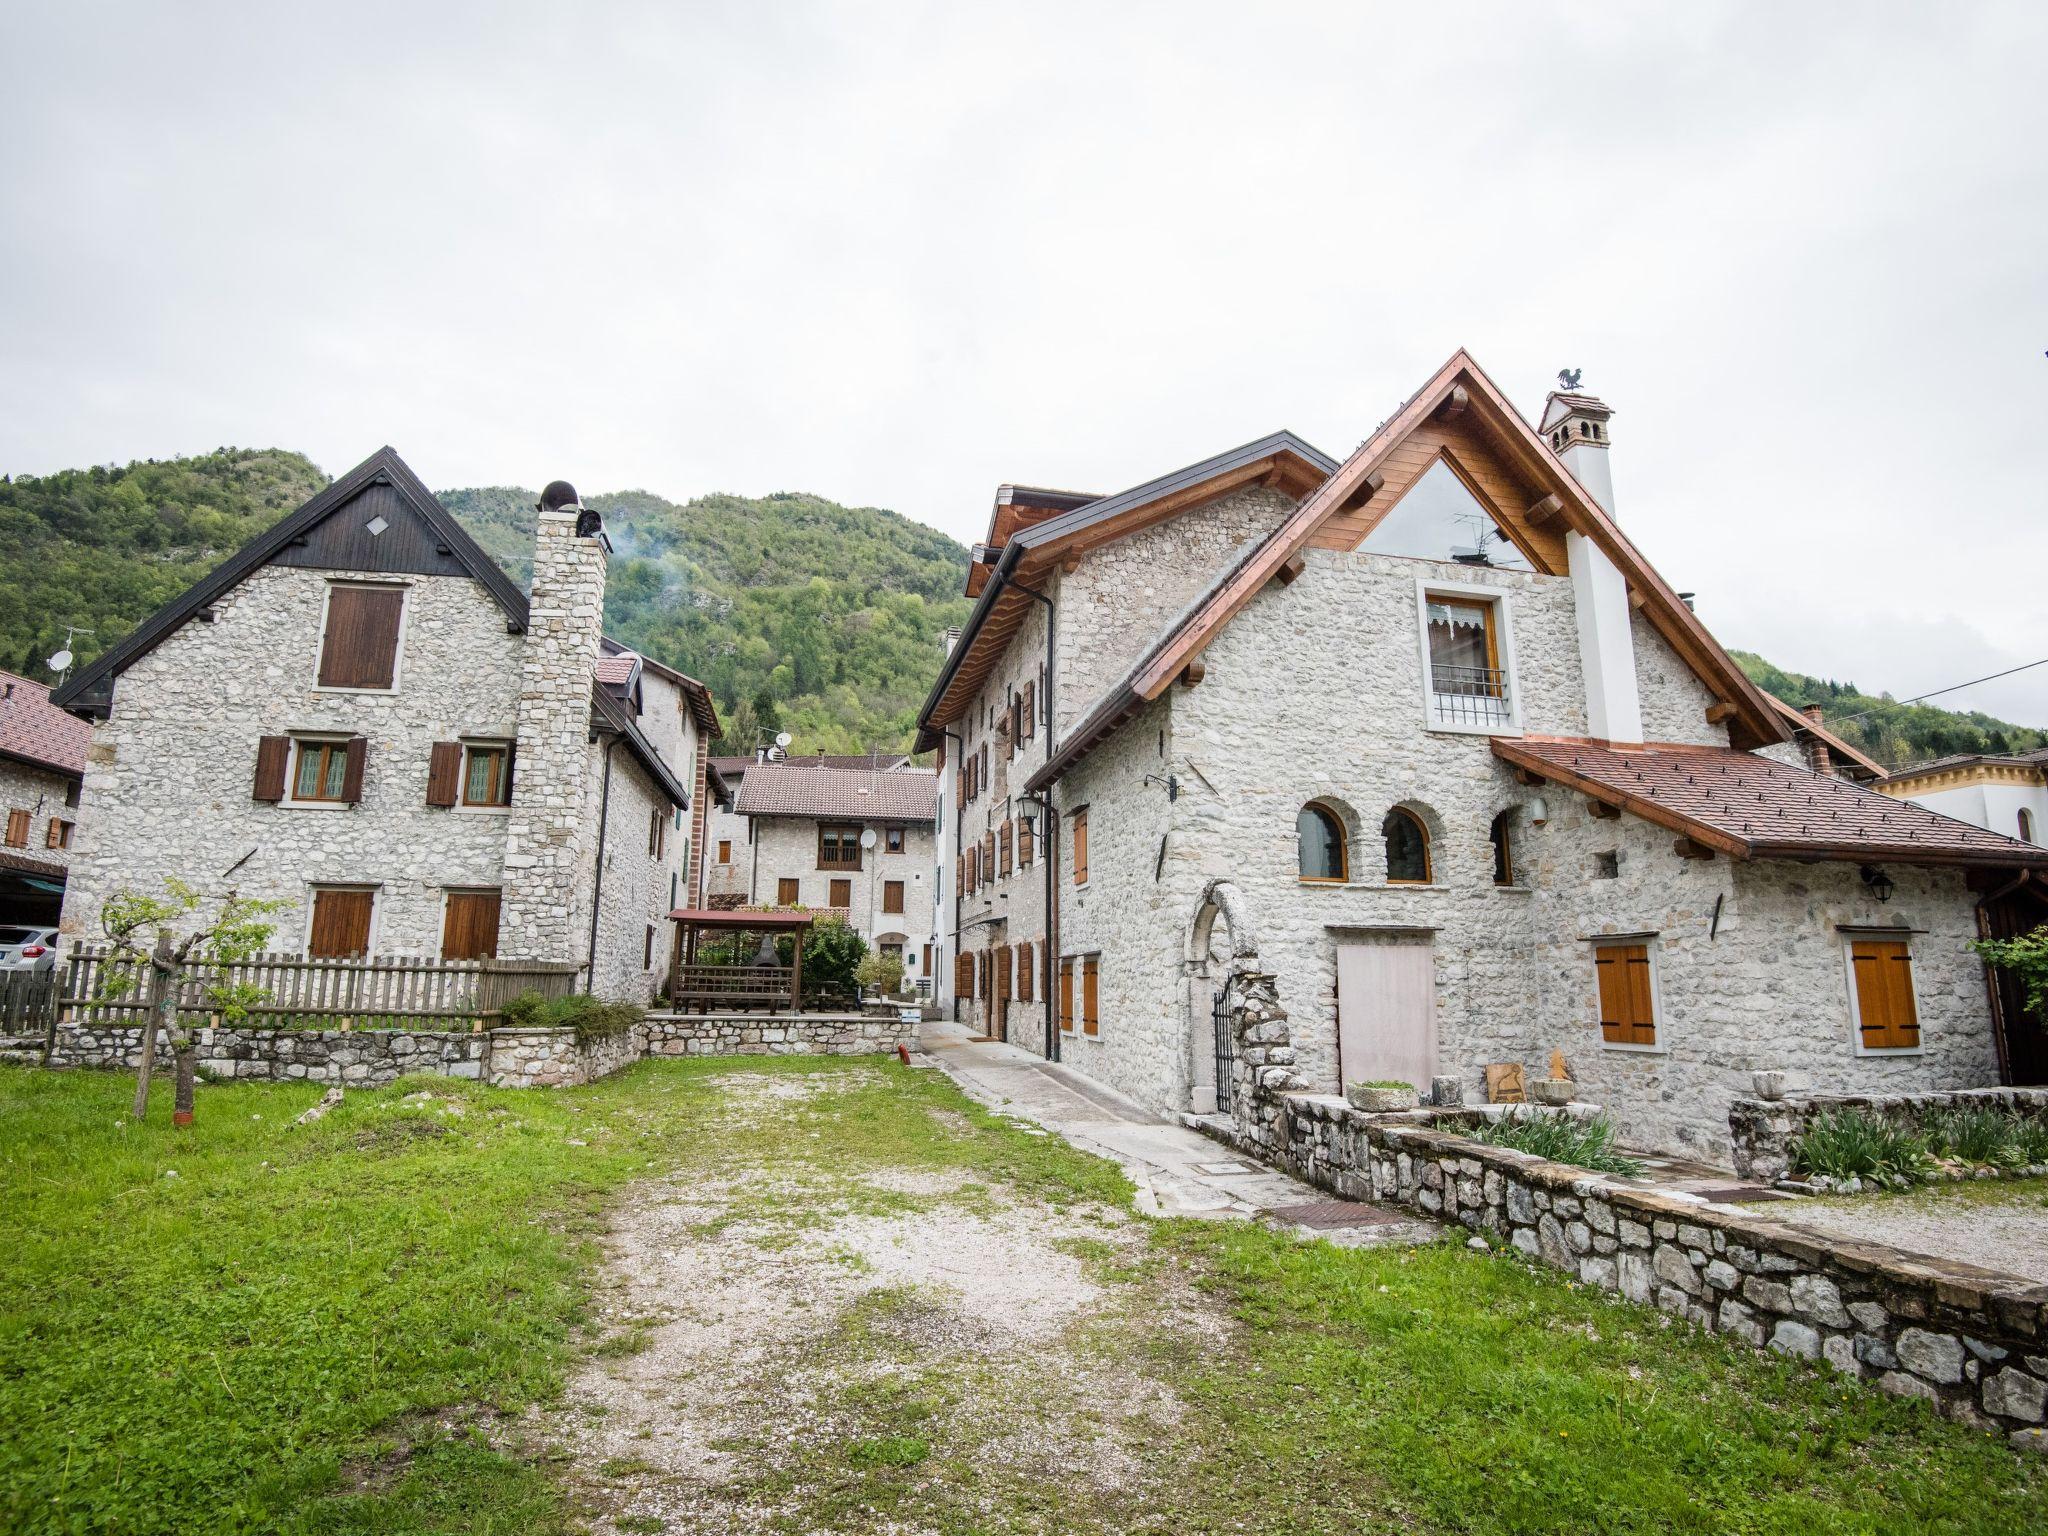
<point>1028,807</point>
<point>1878,883</point>
<point>1539,812</point>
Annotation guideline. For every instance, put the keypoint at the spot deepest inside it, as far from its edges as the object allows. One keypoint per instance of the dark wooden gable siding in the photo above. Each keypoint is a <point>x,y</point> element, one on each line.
<point>342,540</point>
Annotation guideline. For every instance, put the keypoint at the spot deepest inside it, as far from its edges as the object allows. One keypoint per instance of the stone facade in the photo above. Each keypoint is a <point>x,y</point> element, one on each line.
<point>786,848</point>
<point>47,796</point>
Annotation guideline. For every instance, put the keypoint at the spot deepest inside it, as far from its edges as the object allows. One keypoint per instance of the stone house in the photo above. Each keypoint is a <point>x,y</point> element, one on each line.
<point>42,764</point>
<point>360,714</point>
<point>1425,739</point>
<point>848,836</point>
<point>728,870</point>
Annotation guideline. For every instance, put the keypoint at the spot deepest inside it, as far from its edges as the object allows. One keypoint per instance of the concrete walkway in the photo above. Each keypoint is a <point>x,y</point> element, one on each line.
<point>1178,1171</point>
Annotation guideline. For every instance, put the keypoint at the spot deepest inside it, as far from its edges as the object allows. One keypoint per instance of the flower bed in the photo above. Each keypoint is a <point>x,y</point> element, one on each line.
<point>1853,1143</point>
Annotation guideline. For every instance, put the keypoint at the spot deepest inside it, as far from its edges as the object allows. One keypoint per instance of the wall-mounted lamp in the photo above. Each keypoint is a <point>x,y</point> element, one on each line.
<point>1877,882</point>
<point>1170,784</point>
<point>1028,807</point>
<point>1539,812</point>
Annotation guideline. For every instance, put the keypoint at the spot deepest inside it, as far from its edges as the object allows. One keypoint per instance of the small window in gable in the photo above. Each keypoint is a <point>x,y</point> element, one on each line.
<point>359,648</point>
<point>1440,519</point>
<point>1319,837</point>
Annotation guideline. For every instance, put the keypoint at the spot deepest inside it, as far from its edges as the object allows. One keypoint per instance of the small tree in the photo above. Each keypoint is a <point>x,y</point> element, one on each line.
<point>234,931</point>
<point>878,969</point>
<point>832,953</point>
<point>2027,958</point>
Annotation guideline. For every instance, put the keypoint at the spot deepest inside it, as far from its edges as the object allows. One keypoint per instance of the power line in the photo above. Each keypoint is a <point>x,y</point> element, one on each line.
<point>1951,688</point>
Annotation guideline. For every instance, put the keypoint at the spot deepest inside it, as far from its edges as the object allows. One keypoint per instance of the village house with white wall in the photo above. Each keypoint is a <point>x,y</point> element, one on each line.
<point>2006,792</point>
<point>42,765</point>
<point>359,714</point>
<point>849,836</point>
<point>1424,738</point>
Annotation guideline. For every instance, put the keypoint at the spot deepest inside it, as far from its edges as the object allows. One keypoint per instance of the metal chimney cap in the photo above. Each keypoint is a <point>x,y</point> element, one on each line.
<point>558,495</point>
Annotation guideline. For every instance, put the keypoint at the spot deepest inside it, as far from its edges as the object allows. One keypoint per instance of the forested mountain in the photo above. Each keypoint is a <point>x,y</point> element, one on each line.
<point>1893,733</point>
<point>800,614</point>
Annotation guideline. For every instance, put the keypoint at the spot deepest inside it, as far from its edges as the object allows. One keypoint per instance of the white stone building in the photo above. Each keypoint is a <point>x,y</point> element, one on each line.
<point>728,871</point>
<point>1424,737</point>
<point>42,764</point>
<point>2006,793</point>
<point>361,715</point>
<point>848,836</point>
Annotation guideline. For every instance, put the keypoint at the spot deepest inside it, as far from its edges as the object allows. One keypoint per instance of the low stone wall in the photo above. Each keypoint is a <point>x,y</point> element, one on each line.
<point>555,1058</point>
<point>755,1034</point>
<point>361,1058</point>
<point>1972,1342</point>
<point>1763,1130</point>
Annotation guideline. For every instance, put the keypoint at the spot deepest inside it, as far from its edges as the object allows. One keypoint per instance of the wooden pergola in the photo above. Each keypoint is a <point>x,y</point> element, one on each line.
<point>760,983</point>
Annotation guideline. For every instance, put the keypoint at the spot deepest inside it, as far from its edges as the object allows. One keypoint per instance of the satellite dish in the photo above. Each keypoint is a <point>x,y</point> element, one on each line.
<point>867,838</point>
<point>783,738</point>
<point>61,660</point>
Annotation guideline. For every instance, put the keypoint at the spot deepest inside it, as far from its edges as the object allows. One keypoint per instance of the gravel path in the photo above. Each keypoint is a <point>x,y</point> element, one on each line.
<point>2001,1226</point>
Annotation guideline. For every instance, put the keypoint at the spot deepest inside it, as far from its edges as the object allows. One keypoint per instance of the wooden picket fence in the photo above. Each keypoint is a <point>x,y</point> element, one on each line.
<point>387,991</point>
<point>28,1001</point>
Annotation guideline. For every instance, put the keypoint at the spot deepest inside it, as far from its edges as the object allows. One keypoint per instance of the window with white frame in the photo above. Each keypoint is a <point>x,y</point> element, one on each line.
<point>1466,661</point>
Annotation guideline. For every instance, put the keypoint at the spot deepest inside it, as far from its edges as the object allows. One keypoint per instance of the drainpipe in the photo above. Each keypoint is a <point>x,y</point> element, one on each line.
<point>604,809</point>
<point>959,827</point>
<point>1051,842</point>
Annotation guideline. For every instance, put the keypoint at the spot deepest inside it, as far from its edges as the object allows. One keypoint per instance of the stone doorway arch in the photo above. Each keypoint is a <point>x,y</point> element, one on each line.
<point>1220,944</point>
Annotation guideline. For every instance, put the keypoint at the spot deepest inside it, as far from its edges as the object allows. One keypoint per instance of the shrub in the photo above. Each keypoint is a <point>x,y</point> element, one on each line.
<point>1562,1139</point>
<point>1849,1144</point>
<point>2030,1136</point>
<point>1974,1135</point>
<point>592,1018</point>
<point>880,970</point>
<point>832,954</point>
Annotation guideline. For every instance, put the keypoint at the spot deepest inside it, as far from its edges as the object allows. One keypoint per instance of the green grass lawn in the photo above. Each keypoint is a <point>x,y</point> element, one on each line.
<point>326,1330</point>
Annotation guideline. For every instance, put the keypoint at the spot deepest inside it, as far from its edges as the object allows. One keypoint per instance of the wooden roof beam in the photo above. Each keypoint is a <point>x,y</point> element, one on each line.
<point>1687,848</point>
<point>1366,489</point>
<point>1719,710</point>
<point>1290,573</point>
<point>1542,511</point>
<point>1194,671</point>
<point>1456,401</point>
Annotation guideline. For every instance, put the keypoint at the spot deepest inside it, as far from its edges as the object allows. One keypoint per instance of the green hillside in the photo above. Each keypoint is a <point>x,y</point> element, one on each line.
<point>1893,733</point>
<point>800,614</point>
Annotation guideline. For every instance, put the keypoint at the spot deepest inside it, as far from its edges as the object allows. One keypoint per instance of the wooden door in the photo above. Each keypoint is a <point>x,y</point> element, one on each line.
<point>1386,1012</point>
<point>341,923</point>
<point>469,928</point>
<point>1000,1026</point>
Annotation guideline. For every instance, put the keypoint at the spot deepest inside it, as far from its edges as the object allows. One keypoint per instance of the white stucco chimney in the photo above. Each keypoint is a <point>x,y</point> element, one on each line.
<point>1575,425</point>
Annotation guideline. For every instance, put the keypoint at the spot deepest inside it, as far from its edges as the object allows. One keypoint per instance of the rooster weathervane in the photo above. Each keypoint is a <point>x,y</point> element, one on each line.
<point>1569,377</point>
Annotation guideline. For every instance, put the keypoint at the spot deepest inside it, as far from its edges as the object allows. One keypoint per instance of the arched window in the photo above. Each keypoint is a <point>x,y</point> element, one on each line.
<point>1502,834</point>
<point>1320,837</point>
<point>2026,825</point>
<point>1407,847</point>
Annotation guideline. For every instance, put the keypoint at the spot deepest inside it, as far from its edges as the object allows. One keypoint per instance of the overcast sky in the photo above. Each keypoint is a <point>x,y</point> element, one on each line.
<point>898,254</point>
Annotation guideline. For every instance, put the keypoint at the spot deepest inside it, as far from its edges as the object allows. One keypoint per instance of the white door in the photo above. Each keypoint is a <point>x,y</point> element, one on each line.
<point>1386,1012</point>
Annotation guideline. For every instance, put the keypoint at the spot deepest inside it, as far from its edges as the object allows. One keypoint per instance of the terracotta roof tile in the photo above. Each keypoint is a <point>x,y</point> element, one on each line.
<point>32,727</point>
<point>1754,807</point>
<point>616,669</point>
<point>779,789</point>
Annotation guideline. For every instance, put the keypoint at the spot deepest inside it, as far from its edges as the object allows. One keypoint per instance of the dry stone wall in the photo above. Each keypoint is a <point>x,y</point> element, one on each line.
<point>861,1034</point>
<point>1763,1131</point>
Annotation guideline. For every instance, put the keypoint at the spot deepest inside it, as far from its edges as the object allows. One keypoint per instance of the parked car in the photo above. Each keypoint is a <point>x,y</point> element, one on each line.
<point>28,949</point>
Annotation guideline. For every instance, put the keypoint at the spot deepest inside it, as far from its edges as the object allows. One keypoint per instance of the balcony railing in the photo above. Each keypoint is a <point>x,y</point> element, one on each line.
<point>1468,695</point>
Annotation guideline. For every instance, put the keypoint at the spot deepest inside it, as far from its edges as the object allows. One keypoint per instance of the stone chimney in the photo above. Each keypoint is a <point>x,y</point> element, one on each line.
<point>550,835</point>
<point>1818,758</point>
<point>1575,426</point>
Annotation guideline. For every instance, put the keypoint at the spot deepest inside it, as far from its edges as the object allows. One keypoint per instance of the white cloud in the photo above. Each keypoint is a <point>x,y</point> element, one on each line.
<point>897,254</point>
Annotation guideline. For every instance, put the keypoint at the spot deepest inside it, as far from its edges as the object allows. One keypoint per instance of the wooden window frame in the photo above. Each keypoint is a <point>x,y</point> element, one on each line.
<point>471,750</point>
<point>1343,875</point>
<point>789,891</point>
<point>404,591</point>
<point>893,839</point>
<point>893,892</point>
<point>1500,657</point>
<point>58,833</point>
<point>841,834</point>
<point>329,747</point>
<point>448,895</point>
<point>725,850</point>
<point>832,893</point>
<point>1624,944</point>
<point>313,890</point>
<point>1428,852</point>
<point>1887,939</point>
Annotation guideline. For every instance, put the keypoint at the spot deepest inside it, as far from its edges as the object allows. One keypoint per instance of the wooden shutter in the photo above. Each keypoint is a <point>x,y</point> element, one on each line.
<point>1067,996</point>
<point>963,976</point>
<point>1091,970</point>
<point>1003,842</point>
<point>53,834</point>
<point>1627,1007</point>
<point>17,829</point>
<point>341,924</point>
<point>273,755</point>
<point>444,773</point>
<point>1005,964</point>
<point>469,928</point>
<point>1024,973</point>
<point>1026,840</point>
<point>786,892</point>
<point>892,895</point>
<point>1081,846</point>
<point>1885,1011</point>
<point>842,893</point>
<point>360,649</point>
<point>358,750</point>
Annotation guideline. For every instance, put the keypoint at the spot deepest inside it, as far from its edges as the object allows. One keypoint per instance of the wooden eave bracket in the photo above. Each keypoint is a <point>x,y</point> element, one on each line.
<point>1456,401</point>
<point>1194,671</point>
<point>1291,571</point>
<point>1363,492</point>
<point>1529,777</point>
<point>1602,811</point>
<point>1543,510</point>
<point>1720,710</point>
<point>1687,848</point>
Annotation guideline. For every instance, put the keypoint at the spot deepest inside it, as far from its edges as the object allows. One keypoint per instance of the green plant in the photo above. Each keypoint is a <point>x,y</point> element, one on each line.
<point>592,1018</point>
<point>2030,1136</point>
<point>1562,1139</point>
<point>832,954</point>
<point>1850,1144</point>
<point>1384,1082</point>
<point>2027,958</point>
<point>880,970</point>
<point>1974,1135</point>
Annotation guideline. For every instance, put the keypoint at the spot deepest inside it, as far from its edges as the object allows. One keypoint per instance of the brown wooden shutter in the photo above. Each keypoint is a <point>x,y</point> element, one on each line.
<point>469,928</point>
<point>360,649</point>
<point>444,773</point>
<point>273,756</point>
<point>1886,1014</point>
<point>53,834</point>
<point>1081,846</point>
<point>963,976</point>
<point>892,895</point>
<point>1091,969</point>
<point>786,892</point>
<point>1627,1007</point>
<point>1024,972</point>
<point>341,924</point>
<point>1067,996</point>
<point>842,893</point>
<point>358,753</point>
<point>17,829</point>
<point>1004,966</point>
<point>1026,840</point>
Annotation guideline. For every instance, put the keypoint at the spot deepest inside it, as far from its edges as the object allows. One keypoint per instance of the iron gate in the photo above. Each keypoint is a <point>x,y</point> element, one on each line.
<point>1226,1044</point>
